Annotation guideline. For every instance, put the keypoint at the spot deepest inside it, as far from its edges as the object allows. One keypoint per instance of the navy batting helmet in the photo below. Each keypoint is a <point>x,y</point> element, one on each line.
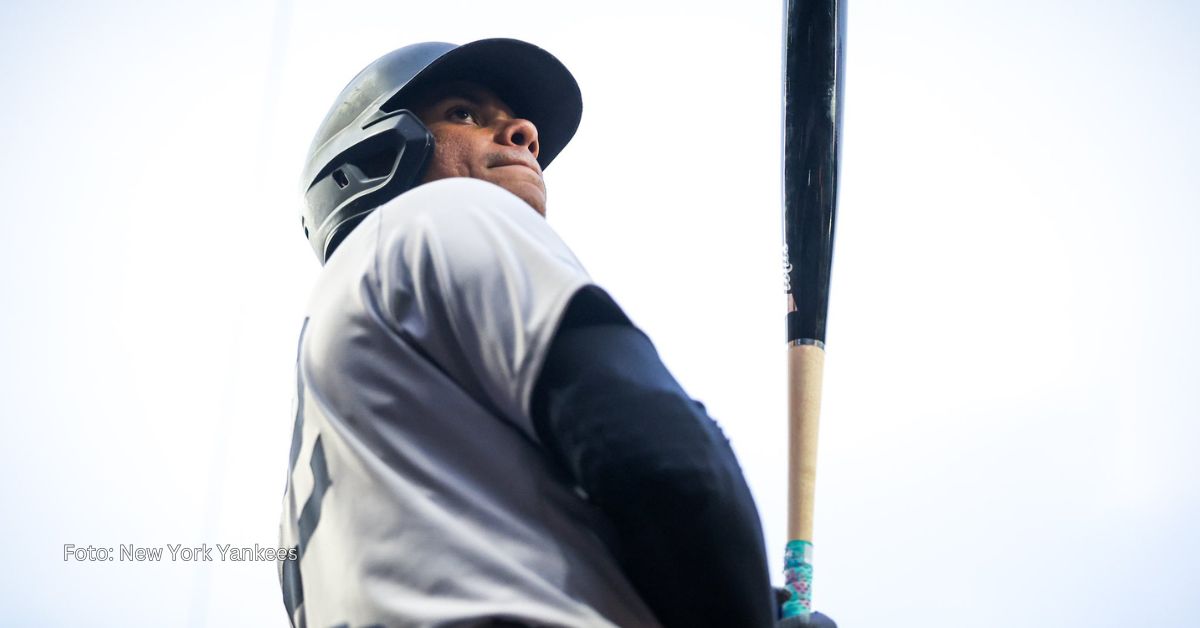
<point>370,148</point>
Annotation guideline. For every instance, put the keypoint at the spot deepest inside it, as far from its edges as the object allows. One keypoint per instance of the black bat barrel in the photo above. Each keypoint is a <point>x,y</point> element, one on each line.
<point>812,106</point>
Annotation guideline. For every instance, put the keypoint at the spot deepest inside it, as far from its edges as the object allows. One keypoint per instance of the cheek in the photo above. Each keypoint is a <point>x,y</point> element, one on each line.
<point>451,157</point>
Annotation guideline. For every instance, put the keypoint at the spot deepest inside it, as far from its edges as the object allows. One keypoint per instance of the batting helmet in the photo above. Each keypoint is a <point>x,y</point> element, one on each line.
<point>370,148</point>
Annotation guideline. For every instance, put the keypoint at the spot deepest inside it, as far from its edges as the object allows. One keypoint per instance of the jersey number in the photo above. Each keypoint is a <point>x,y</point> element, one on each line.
<point>310,515</point>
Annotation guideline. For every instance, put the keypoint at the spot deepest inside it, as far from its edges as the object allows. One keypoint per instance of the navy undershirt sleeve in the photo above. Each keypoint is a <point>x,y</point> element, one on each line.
<point>648,456</point>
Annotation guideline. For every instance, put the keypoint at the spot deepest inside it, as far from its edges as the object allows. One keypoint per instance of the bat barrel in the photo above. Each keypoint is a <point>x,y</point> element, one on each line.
<point>812,93</point>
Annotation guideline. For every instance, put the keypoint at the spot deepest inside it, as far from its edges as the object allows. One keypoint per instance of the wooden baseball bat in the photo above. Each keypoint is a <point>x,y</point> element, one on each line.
<point>814,36</point>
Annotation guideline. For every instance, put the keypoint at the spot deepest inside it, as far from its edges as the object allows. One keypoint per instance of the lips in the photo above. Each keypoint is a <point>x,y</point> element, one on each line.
<point>500,161</point>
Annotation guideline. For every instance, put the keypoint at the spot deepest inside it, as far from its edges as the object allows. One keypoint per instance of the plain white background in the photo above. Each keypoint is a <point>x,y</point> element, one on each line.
<point>1010,418</point>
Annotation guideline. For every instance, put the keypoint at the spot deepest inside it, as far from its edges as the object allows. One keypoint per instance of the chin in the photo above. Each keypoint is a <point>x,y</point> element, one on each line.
<point>532,194</point>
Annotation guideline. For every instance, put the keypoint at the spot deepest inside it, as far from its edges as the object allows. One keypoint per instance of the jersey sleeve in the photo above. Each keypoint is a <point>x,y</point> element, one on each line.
<point>477,281</point>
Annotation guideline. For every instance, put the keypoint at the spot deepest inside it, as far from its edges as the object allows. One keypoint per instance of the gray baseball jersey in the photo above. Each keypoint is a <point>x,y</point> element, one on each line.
<point>418,493</point>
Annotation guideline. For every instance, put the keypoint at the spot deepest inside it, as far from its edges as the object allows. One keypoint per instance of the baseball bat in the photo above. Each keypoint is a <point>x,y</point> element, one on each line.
<point>814,37</point>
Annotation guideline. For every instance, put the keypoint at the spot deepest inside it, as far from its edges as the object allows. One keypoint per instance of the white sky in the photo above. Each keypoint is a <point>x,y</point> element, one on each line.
<point>1011,417</point>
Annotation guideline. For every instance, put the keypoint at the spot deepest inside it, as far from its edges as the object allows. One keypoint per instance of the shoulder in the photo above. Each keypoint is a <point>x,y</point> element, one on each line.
<point>466,223</point>
<point>449,203</point>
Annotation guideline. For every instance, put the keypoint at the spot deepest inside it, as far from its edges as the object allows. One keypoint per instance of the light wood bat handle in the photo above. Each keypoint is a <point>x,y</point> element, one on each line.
<point>806,363</point>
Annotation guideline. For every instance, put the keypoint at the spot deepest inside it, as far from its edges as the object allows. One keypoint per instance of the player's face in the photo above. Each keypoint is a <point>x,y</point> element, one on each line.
<point>476,135</point>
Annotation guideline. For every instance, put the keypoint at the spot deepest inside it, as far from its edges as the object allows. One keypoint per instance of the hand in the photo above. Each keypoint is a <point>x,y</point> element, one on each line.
<point>816,620</point>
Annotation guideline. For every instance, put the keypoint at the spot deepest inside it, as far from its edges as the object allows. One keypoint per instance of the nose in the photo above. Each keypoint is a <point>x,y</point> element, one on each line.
<point>519,132</point>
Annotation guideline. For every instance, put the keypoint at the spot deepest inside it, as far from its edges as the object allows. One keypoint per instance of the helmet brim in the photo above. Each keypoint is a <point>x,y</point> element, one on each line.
<point>531,81</point>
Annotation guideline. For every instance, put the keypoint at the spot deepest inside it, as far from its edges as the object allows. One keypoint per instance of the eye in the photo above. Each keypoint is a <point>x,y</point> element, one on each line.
<point>461,113</point>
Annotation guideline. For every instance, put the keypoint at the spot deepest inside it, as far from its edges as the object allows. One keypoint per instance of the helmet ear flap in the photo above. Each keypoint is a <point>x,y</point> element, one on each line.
<point>385,161</point>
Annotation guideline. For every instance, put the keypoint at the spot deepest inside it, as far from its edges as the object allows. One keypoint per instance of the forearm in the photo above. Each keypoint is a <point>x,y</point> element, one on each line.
<point>653,461</point>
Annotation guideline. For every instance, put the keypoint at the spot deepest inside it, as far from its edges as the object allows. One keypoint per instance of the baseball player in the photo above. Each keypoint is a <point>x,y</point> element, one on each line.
<point>482,437</point>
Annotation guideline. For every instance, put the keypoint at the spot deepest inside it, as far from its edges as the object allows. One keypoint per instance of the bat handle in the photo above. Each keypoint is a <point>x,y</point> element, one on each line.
<point>797,573</point>
<point>806,363</point>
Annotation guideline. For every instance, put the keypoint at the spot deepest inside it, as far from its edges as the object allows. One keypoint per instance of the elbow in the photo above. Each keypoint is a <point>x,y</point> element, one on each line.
<point>676,462</point>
